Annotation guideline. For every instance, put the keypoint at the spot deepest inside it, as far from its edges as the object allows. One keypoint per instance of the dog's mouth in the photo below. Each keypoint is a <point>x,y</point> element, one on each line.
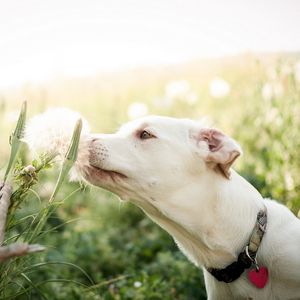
<point>99,173</point>
<point>104,174</point>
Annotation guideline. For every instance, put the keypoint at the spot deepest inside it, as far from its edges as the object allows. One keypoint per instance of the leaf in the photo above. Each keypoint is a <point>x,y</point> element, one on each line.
<point>15,138</point>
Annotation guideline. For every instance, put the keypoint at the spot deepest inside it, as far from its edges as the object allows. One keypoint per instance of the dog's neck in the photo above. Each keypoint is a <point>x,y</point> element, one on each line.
<point>211,220</point>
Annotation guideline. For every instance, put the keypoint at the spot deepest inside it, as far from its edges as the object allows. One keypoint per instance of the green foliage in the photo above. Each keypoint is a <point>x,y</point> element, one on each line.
<point>99,248</point>
<point>15,139</point>
<point>268,130</point>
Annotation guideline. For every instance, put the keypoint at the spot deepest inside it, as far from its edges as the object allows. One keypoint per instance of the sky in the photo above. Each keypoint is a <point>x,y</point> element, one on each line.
<point>40,40</point>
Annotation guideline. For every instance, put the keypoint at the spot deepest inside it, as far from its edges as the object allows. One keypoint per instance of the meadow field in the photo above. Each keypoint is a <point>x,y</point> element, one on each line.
<point>101,248</point>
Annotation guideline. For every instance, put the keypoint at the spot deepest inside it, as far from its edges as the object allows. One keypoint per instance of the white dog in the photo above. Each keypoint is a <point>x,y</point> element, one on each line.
<point>178,172</point>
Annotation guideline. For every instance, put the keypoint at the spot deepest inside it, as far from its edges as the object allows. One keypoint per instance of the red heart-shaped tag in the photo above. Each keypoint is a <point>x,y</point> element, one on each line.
<point>259,278</point>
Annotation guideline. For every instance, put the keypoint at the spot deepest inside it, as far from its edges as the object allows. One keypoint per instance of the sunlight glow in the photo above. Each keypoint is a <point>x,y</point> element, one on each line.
<point>46,39</point>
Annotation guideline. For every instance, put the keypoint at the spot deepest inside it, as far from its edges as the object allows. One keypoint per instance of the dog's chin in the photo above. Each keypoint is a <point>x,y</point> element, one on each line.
<point>102,177</point>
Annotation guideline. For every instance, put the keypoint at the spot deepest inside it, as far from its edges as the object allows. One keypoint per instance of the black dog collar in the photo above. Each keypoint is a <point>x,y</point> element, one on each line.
<point>248,256</point>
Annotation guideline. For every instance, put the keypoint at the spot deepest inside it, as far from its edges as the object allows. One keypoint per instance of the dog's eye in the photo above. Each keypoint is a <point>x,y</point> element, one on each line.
<point>144,135</point>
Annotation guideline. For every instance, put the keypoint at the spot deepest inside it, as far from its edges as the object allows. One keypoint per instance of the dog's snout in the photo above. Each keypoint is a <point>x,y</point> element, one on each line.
<point>98,152</point>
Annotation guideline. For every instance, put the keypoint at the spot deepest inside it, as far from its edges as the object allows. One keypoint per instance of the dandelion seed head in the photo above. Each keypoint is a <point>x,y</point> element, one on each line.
<point>51,133</point>
<point>267,91</point>
<point>219,88</point>
<point>137,110</point>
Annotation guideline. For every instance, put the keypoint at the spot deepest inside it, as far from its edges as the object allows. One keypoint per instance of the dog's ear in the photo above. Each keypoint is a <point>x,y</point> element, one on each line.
<point>222,150</point>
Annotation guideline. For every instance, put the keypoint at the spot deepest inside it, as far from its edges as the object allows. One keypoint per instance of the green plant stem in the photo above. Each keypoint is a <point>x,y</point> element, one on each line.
<point>69,161</point>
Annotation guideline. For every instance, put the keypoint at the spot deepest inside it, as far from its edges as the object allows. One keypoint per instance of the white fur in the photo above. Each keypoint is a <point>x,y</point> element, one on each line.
<point>209,216</point>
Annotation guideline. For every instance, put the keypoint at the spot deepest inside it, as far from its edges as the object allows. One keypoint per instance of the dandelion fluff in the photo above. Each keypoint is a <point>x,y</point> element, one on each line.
<point>51,133</point>
<point>137,110</point>
<point>219,88</point>
<point>267,91</point>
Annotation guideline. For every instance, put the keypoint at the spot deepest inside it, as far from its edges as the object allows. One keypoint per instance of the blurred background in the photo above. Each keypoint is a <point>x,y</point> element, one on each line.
<point>237,63</point>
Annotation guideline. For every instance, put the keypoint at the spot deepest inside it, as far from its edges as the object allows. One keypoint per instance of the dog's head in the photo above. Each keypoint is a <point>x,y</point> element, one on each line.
<point>153,157</point>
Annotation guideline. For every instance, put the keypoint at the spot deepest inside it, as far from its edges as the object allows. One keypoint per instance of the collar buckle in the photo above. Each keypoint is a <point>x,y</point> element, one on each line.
<point>252,258</point>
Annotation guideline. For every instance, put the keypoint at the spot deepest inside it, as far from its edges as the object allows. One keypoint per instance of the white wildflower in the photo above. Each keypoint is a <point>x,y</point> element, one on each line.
<point>51,133</point>
<point>137,110</point>
<point>219,88</point>
<point>137,284</point>
<point>267,91</point>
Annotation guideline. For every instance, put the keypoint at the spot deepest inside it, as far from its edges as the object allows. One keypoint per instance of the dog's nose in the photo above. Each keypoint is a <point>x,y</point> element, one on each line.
<point>95,138</point>
<point>98,151</point>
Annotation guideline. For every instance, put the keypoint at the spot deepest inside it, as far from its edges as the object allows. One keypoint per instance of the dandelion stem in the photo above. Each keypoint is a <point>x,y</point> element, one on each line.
<point>69,159</point>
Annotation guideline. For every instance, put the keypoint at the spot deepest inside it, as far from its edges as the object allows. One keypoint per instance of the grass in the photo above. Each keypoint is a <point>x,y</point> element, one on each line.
<point>26,178</point>
<point>99,248</point>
